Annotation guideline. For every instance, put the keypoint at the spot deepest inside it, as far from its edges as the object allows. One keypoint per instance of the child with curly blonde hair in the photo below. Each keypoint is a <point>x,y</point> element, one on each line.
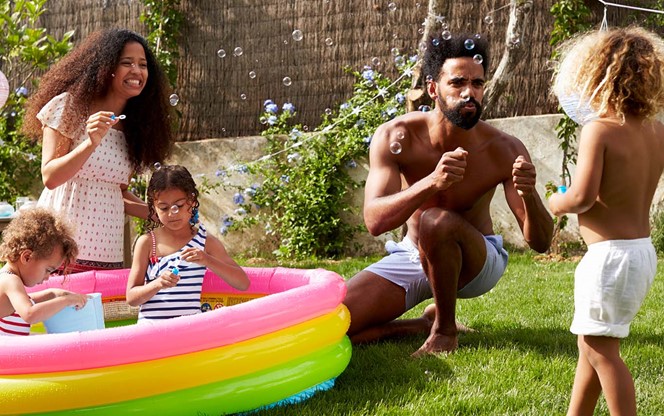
<point>34,246</point>
<point>612,82</point>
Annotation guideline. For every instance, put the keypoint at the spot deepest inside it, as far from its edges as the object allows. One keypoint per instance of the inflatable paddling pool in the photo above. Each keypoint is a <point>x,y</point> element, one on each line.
<point>290,339</point>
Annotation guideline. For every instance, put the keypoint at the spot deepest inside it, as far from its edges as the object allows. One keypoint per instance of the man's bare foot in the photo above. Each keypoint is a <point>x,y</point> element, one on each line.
<point>437,344</point>
<point>429,315</point>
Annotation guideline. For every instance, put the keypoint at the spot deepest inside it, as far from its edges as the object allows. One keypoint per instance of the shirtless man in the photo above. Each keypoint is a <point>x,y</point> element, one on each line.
<point>450,164</point>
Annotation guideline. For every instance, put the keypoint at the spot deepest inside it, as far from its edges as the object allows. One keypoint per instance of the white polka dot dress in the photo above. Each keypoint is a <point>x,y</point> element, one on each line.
<point>92,199</point>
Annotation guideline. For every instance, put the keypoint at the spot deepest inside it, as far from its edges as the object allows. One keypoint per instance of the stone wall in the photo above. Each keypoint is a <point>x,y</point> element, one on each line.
<point>205,157</point>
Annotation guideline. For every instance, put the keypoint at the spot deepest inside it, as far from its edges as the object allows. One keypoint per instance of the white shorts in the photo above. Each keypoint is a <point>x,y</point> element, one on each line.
<point>610,284</point>
<point>403,268</point>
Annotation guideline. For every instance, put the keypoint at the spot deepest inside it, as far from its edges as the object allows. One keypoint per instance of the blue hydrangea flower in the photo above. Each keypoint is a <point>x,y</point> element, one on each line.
<point>272,120</point>
<point>220,172</point>
<point>391,112</point>
<point>285,178</point>
<point>293,157</point>
<point>242,168</point>
<point>351,164</point>
<point>400,98</point>
<point>226,221</point>
<point>368,74</point>
<point>267,102</point>
<point>271,108</point>
<point>21,91</point>
<point>288,107</point>
<point>223,230</point>
<point>367,139</point>
<point>295,134</point>
<point>360,123</point>
<point>344,106</point>
<point>240,211</point>
<point>251,191</point>
<point>238,199</point>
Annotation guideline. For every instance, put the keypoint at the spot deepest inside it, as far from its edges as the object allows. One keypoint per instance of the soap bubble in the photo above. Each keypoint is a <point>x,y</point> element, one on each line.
<point>477,36</point>
<point>435,41</point>
<point>447,35</point>
<point>392,7</point>
<point>424,108</point>
<point>395,51</point>
<point>429,78</point>
<point>174,209</point>
<point>488,19</point>
<point>329,41</point>
<point>400,135</point>
<point>173,99</point>
<point>243,96</point>
<point>328,111</point>
<point>395,148</point>
<point>297,35</point>
<point>375,61</point>
<point>469,44</point>
<point>221,53</point>
<point>478,59</point>
<point>238,51</point>
<point>156,166</point>
<point>252,74</point>
<point>287,81</point>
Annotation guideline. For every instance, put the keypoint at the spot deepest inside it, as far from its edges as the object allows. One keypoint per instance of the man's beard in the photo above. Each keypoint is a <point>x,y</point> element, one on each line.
<point>455,115</point>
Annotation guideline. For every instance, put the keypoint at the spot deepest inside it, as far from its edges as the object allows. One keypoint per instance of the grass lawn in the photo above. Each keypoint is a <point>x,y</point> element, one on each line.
<point>520,362</point>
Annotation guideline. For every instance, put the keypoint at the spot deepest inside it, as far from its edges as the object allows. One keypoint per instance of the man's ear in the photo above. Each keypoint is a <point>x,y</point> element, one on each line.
<point>431,89</point>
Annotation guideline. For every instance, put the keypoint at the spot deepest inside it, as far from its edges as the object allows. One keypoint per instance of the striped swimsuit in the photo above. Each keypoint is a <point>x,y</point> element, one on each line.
<point>14,325</point>
<point>185,297</point>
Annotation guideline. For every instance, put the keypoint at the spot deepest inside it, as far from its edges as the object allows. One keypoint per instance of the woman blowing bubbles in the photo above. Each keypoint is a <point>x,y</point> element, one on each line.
<point>102,113</point>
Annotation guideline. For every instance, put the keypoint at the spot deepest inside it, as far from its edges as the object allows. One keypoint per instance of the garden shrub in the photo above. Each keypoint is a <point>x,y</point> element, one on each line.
<point>303,193</point>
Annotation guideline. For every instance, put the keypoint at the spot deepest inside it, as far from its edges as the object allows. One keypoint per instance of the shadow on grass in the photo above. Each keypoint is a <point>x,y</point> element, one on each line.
<point>383,375</point>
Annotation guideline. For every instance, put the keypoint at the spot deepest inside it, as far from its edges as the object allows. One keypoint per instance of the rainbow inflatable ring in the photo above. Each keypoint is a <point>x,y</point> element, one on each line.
<point>288,340</point>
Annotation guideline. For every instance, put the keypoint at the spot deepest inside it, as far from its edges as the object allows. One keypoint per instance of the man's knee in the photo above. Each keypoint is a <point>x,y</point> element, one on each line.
<point>439,223</point>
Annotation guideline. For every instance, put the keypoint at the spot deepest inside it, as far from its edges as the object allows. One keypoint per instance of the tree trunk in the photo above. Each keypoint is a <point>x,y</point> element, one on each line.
<point>514,41</point>
<point>417,94</point>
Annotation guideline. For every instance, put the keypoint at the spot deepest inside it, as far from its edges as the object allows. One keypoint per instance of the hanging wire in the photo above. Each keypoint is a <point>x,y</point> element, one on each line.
<point>625,6</point>
<point>605,25</point>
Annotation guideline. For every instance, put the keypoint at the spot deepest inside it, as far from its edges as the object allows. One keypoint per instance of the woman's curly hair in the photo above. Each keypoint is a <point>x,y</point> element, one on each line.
<point>86,74</point>
<point>619,71</point>
<point>40,230</point>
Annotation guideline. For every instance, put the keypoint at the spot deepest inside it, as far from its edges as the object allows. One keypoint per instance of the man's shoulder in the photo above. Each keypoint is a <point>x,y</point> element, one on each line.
<point>496,137</point>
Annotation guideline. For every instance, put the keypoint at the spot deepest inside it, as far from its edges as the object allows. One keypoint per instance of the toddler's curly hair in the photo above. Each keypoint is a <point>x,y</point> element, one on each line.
<point>619,71</point>
<point>40,230</point>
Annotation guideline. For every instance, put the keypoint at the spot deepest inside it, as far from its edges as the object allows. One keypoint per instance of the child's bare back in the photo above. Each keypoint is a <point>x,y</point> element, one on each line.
<point>629,160</point>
